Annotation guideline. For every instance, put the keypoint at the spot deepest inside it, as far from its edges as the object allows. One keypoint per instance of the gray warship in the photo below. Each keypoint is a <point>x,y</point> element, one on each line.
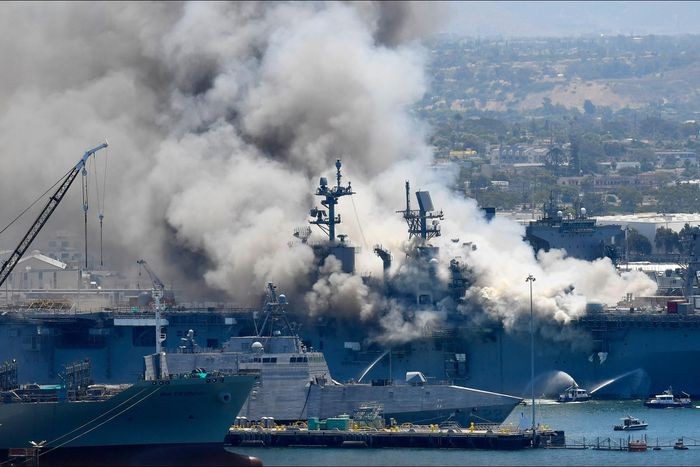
<point>296,383</point>
<point>578,234</point>
<point>621,352</point>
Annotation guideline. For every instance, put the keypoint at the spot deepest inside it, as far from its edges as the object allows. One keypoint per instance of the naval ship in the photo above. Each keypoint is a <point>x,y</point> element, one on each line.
<point>160,420</point>
<point>578,234</point>
<point>621,352</point>
<point>296,383</point>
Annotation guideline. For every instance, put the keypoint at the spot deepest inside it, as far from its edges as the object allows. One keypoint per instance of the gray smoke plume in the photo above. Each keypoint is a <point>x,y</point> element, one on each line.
<point>221,117</point>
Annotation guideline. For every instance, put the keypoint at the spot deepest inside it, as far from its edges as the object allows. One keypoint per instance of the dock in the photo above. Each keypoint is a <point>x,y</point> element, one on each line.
<point>638,443</point>
<point>414,436</point>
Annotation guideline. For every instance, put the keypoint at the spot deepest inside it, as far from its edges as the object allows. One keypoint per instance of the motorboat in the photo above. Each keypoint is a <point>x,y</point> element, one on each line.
<point>574,393</point>
<point>668,400</point>
<point>630,423</point>
<point>680,445</point>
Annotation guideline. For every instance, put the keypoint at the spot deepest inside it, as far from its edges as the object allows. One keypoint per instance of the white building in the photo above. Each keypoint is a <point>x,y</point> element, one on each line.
<point>647,223</point>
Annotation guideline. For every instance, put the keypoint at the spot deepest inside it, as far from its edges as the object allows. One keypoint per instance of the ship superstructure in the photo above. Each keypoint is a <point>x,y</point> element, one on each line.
<point>326,220</point>
<point>296,383</point>
<point>578,234</point>
<point>625,351</point>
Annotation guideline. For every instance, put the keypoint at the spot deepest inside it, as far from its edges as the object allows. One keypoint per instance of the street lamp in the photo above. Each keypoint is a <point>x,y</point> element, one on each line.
<point>531,279</point>
<point>36,446</point>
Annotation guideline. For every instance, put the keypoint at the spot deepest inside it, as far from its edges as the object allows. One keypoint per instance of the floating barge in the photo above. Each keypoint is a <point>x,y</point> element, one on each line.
<point>413,437</point>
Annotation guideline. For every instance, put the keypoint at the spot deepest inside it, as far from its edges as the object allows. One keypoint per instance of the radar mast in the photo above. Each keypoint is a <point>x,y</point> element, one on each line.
<point>417,219</point>
<point>327,221</point>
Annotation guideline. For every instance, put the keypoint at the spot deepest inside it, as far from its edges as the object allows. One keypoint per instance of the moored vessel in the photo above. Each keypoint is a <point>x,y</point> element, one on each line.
<point>668,400</point>
<point>296,383</point>
<point>160,421</point>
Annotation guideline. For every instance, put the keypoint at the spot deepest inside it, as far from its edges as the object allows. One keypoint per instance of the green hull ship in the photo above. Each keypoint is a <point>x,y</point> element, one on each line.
<point>164,421</point>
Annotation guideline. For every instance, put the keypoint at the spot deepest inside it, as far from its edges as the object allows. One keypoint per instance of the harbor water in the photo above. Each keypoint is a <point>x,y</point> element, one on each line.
<point>585,423</point>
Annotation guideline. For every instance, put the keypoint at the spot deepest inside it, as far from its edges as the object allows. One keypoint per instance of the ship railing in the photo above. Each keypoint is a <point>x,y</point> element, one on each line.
<point>130,312</point>
<point>640,318</point>
<point>213,374</point>
<point>198,350</point>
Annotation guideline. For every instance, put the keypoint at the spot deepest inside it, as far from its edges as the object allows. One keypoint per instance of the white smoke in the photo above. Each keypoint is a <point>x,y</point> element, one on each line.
<point>221,118</point>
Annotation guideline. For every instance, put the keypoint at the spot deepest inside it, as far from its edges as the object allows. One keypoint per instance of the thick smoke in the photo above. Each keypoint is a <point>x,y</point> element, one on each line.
<point>221,117</point>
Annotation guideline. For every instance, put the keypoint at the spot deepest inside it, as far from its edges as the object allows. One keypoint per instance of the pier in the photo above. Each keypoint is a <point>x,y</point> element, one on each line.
<point>414,436</point>
<point>631,444</point>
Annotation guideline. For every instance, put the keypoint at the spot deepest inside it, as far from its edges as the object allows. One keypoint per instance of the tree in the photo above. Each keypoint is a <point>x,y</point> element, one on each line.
<point>666,239</point>
<point>554,160</point>
<point>685,237</point>
<point>637,243</point>
<point>593,203</point>
<point>629,198</point>
<point>589,108</point>
<point>575,159</point>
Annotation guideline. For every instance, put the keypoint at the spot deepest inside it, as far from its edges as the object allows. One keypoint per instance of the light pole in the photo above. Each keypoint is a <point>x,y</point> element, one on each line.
<point>531,279</point>
<point>37,450</point>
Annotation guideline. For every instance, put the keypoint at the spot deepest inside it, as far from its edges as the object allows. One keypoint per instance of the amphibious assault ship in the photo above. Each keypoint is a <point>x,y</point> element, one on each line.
<point>625,351</point>
<point>296,383</point>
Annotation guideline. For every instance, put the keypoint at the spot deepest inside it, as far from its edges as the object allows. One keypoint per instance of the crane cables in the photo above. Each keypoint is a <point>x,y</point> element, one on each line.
<point>101,200</point>
<point>35,201</point>
<point>85,208</point>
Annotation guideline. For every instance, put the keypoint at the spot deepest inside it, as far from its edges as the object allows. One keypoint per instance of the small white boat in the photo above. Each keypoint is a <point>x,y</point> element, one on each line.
<point>574,394</point>
<point>668,400</point>
<point>629,423</point>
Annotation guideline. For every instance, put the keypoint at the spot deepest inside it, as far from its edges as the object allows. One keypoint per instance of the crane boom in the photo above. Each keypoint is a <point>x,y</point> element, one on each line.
<point>157,283</point>
<point>50,207</point>
<point>158,290</point>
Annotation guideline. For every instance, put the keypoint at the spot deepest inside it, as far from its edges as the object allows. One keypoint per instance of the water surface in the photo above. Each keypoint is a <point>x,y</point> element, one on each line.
<point>590,421</point>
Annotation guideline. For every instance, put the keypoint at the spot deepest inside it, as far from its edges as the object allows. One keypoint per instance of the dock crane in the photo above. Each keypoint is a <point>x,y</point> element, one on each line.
<point>158,292</point>
<point>50,207</point>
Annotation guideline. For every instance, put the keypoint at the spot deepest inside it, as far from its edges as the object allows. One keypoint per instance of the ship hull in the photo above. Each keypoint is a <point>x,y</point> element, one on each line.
<point>142,455</point>
<point>621,358</point>
<point>290,390</point>
<point>416,404</point>
<point>149,413</point>
<point>631,354</point>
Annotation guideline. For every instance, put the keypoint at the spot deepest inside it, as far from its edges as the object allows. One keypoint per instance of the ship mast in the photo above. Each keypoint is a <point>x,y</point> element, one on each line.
<point>417,220</point>
<point>327,222</point>
<point>274,313</point>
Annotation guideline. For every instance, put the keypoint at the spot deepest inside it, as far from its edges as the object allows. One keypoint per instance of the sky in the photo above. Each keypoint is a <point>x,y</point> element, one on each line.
<point>530,19</point>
